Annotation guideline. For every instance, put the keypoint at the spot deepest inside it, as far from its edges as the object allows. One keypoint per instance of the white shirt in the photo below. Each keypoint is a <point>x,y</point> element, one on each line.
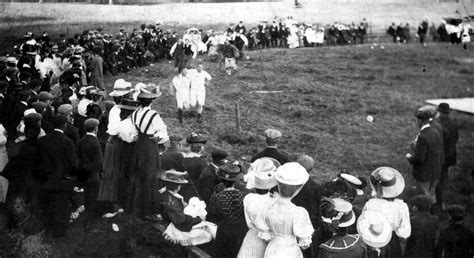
<point>114,121</point>
<point>198,79</point>
<point>82,107</point>
<point>156,128</point>
<point>91,134</point>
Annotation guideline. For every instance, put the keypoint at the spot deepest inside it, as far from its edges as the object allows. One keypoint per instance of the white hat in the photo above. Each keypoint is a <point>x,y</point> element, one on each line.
<point>374,228</point>
<point>292,173</point>
<point>29,111</point>
<point>121,87</point>
<point>387,182</point>
<point>345,214</point>
<point>261,174</point>
<point>353,180</point>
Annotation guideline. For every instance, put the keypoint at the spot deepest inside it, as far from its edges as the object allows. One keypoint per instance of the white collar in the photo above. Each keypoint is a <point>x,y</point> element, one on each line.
<point>424,127</point>
<point>91,134</point>
<point>191,155</point>
<point>147,108</point>
<point>24,102</point>
<point>59,130</point>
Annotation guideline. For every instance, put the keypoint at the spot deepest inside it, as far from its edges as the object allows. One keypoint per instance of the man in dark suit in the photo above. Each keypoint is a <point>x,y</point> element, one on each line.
<point>193,163</point>
<point>17,115</point>
<point>309,198</point>
<point>172,158</point>
<point>70,131</point>
<point>208,179</point>
<point>3,102</point>
<point>426,156</point>
<point>90,158</point>
<point>59,160</point>
<point>449,148</point>
<point>272,139</point>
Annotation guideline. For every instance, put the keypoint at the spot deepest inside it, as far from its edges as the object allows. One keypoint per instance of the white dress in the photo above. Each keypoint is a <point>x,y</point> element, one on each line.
<point>395,211</point>
<point>253,246</point>
<point>290,228</point>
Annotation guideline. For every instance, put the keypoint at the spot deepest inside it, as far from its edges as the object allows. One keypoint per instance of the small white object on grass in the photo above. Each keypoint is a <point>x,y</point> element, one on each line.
<point>370,118</point>
<point>115,227</point>
<point>371,47</point>
<point>146,70</point>
<point>382,47</point>
<point>248,57</point>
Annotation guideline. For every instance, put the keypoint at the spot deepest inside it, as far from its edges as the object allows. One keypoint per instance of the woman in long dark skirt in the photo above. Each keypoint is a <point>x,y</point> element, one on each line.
<point>145,160</point>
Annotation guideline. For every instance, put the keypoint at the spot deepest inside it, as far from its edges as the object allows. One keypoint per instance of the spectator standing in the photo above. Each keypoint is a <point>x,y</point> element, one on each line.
<point>230,53</point>
<point>95,69</point>
<point>422,31</point>
<point>273,138</point>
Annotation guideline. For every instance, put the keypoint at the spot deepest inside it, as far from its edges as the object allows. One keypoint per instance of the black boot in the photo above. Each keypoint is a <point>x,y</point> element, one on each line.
<point>180,116</point>
<point>199,118</point>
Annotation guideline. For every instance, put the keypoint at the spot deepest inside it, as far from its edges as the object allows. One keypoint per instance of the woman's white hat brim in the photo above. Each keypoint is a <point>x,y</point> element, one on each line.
<point>261,174</point>
<point>394,190</point>
<point>292,173</point>
<point>364,223</point>
<point>119,93</point>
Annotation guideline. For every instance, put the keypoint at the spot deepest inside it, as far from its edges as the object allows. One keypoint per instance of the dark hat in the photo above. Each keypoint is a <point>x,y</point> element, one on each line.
<point>59,120</point>
<point>91,123</point>
<point>39,106</point>
<point>444,108</point>
<point>35,83</point>
<point>3,85</point>
<point>231,171</point>
<point>44,95</point>
<point>218,155</point>
<point>195,138</point>
<point>128,104</point>
<point>32,118</point>
<point>10,71</point>
<point>456,211</point>
<point>174,176</point>
<point>175,138</point>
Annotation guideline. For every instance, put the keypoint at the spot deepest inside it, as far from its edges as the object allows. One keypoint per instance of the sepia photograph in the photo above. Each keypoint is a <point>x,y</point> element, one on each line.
<point>237,128</point>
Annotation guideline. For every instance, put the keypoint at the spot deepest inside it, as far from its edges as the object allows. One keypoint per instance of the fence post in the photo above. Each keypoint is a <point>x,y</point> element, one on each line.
<point>237,117</point>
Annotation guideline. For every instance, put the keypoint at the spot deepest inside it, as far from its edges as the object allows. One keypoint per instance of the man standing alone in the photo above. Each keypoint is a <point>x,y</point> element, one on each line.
<point>180,88</point>
<point>426,156</point>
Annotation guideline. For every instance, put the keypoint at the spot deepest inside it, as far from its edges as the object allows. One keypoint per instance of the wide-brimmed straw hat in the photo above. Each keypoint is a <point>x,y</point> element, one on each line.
<point>150,91</point>
<point>374,229</point>
<point>128,104</point>
<point>292,173</point>
<point>174,176</point>
<point>261,174</point>
<point>387,182</point>
<point>341,212</point>
<point>121,88</point>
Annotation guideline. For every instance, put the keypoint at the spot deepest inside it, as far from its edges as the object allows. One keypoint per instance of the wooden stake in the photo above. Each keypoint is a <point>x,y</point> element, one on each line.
<point>237,117</point>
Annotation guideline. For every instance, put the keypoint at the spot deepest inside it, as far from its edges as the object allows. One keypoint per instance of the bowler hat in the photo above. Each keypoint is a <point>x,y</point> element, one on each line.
<point>231,171</point>
<point>444,108</point>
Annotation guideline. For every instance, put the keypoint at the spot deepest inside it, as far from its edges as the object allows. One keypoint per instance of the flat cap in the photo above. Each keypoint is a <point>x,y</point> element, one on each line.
<point>32,118</point>
<point>65,109</point>
<point>35,83</point>
<point>429,110</point>
<point>306,161</point>
<point>91,123</point>
<point>176,138</point>
<point>218,155</point>
<point>44,95</point>
<point>272,134</point>
<point>422,113</point>
<point>39,106</point>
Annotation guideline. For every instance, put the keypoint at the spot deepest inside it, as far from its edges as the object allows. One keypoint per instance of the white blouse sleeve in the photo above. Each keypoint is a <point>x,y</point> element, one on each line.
<point>161,129</point>
<point>3,137</point>
<point>127,131</point>
<point>404,229</point>
<point>302,227</point>
<point>264,231</point>
<point>114,121</point>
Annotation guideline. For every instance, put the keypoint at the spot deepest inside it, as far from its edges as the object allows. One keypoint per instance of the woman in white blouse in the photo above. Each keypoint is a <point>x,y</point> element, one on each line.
<point>261,177</point>
<point>286,225</point>
<point>387,183</point>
